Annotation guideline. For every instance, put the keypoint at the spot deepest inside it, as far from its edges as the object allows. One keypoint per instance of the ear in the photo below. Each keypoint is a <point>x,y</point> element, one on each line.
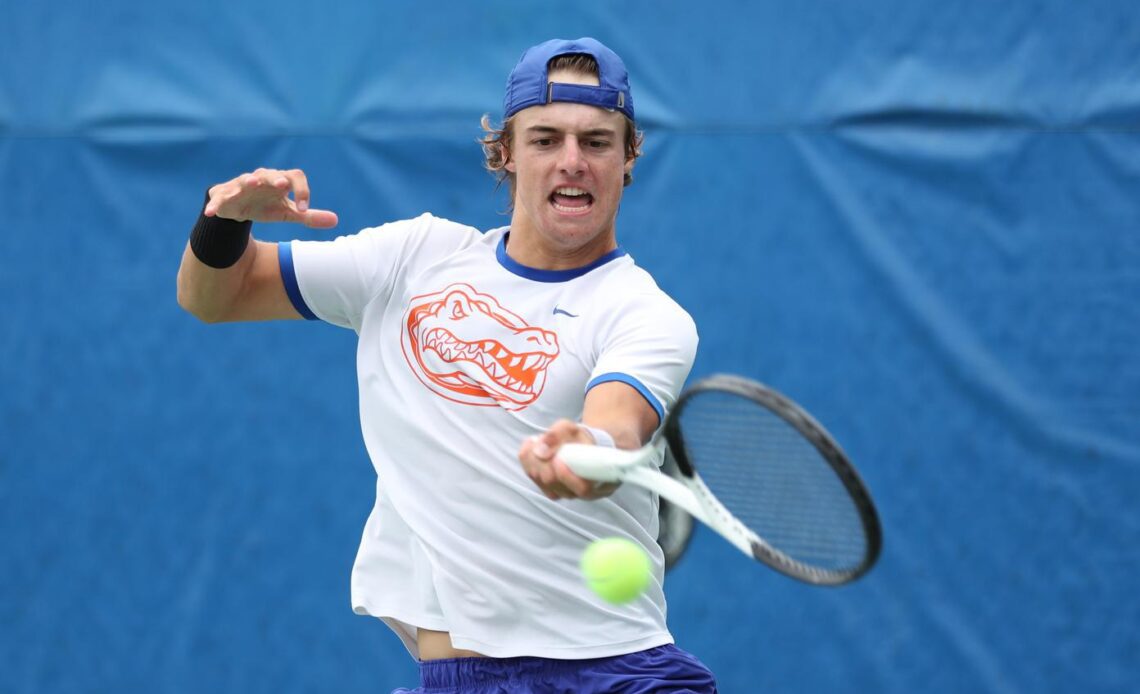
<point>508,163</point>
<point>629,165</point>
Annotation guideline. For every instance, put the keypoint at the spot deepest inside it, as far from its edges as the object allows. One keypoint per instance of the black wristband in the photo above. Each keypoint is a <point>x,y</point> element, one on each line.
<point>219,242</point>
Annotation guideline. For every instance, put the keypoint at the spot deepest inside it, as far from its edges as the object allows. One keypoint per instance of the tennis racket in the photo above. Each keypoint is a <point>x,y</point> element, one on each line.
<point>771,480</point>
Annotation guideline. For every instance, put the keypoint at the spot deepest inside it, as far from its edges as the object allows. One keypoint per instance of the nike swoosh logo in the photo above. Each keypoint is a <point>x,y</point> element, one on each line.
<point>563,312</point>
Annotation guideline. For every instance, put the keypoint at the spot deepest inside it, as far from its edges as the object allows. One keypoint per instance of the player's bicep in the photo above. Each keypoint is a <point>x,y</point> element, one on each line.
<point>263,295</point>
<point>621,410</point>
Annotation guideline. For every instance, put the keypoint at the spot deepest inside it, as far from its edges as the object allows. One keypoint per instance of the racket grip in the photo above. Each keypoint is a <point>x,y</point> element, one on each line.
<point>598,463</point>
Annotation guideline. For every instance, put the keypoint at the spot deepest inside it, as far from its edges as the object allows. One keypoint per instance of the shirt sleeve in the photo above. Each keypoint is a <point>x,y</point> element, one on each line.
<point>335,281</point>
<point>650,345</point>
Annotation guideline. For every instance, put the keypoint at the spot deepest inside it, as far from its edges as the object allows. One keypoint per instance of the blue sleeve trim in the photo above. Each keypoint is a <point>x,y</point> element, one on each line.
<point>636,385</point>
<point>289,276</point>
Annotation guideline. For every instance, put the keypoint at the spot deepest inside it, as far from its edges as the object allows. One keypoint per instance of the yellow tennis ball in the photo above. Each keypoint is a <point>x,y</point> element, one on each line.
<point>617,569</point>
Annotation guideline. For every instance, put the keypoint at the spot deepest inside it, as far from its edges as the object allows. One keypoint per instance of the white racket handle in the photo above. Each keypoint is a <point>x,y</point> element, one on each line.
<point>602,463</point>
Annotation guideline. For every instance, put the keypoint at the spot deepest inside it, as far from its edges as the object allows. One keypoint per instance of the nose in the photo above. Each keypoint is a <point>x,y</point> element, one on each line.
<point>571,161</point>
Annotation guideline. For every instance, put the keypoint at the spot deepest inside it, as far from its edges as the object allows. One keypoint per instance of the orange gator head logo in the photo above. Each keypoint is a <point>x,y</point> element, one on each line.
<point>467,348</point>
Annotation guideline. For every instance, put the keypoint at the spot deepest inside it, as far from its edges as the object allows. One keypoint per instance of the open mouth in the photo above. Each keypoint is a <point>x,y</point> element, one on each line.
<point>570,200</point>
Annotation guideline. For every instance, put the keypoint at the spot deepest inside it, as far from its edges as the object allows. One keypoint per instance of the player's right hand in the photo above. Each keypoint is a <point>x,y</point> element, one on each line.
<point>556,480</point>
<point>263,196</point>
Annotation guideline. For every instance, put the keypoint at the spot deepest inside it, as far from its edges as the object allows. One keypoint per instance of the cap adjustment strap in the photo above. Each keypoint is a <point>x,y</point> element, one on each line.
<point>604,97</point>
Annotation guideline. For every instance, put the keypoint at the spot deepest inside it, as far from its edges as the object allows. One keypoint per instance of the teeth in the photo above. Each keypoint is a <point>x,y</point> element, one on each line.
<point>570,191</point>
<point>564,208</point>
<point>489,353</point>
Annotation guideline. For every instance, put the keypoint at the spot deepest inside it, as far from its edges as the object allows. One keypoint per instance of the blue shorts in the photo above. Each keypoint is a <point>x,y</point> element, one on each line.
<point>661,669</point>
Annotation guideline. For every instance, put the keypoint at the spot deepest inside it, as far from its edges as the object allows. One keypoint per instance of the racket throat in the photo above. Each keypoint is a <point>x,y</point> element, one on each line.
<point>684,496</point>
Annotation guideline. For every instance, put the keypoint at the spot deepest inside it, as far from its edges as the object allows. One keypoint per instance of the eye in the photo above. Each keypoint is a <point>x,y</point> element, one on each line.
<point>457,308</point>
<point>543,141</point>
<point>598,144</point>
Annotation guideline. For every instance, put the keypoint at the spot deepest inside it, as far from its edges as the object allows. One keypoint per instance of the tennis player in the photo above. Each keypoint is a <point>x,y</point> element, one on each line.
<point>479,355</point>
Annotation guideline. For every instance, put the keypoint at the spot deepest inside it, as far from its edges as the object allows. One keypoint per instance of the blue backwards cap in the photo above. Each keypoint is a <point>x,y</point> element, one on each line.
<point>528,85</point>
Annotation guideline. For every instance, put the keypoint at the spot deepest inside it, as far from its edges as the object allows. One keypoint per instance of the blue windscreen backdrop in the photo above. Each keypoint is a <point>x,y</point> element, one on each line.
<point>920,220</point>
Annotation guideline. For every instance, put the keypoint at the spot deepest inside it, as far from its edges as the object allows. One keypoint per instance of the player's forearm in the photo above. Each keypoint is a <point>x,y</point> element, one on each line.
<point>621,411</point>
<point>211,294</point>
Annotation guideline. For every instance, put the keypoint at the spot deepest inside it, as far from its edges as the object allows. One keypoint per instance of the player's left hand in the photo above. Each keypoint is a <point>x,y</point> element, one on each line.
<point>540,462</point>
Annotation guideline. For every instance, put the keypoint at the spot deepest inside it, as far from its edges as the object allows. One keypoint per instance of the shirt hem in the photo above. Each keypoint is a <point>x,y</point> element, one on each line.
<point>561,652</point>
<point>402,625</point>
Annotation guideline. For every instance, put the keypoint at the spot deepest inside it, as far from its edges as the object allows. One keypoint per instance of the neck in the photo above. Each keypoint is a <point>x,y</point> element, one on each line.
<point>527,246</point>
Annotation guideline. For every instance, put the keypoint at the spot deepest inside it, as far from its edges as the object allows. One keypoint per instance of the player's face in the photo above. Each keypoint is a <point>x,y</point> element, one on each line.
<point>569,164</point>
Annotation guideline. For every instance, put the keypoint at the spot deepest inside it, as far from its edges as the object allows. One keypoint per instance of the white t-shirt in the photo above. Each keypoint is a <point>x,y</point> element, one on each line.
<point>463,353</point>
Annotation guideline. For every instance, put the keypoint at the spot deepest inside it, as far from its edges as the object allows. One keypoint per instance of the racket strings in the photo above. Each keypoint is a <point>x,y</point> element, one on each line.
<point>773,480</point>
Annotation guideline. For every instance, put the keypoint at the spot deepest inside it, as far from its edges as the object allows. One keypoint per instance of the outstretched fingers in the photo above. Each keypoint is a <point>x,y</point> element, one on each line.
<point>320,219</point>
<point>264,196</point>
<point>295,181</point>
<point>298,184</point>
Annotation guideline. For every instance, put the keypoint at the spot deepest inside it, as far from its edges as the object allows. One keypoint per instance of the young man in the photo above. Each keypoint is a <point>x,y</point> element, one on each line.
<point>479,355</point>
